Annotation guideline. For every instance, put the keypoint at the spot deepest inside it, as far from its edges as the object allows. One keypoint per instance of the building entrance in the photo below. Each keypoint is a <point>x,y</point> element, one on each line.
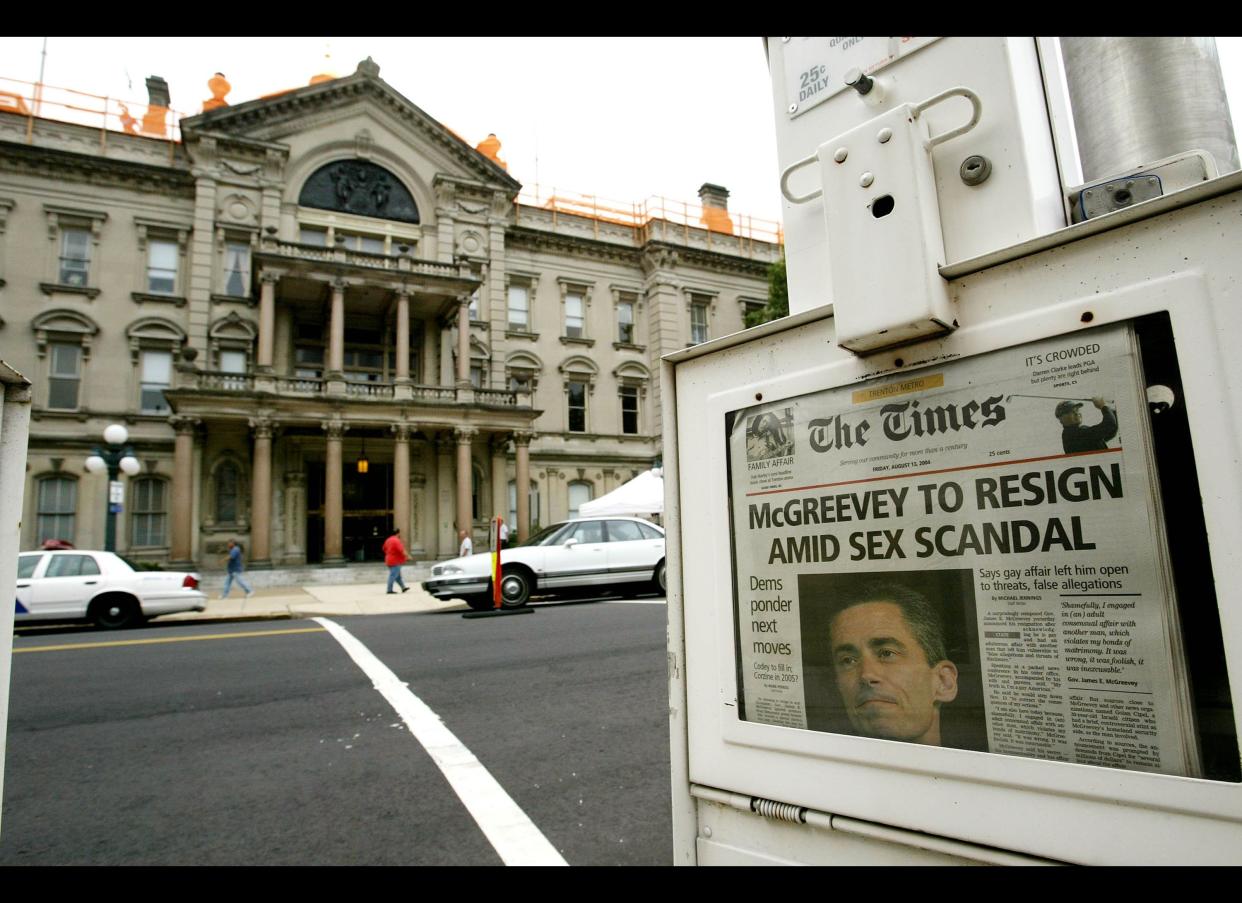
<point>367,517</point>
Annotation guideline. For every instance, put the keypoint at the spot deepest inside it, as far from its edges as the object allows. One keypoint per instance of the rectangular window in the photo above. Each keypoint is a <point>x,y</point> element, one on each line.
<point>57,501</point>
<point>161,266</point>
<point>368,244</point>
<point>308,361</point>
<point>519,382</point>
<point>577,407</point>
<point>149,516</point>
<point>474,305</point>
<point>64,377</point>
<point>629,410</point>
<point>75,256</point>
<point>233,362</point>
<point>236,268</point>
<point>476,376</point>
<point>698,322</point>
<point>309,235</point>
<point>156,377</point>
<point>575,323</point>
<point>519,307</point>
<point>625,322</point>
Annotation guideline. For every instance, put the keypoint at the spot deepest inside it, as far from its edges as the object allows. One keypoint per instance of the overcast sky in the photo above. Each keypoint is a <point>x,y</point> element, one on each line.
<point>620,118</point>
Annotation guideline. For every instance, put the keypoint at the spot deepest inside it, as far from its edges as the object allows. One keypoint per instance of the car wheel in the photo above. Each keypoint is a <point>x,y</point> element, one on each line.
<point>480,601</point>
<point>661,579</point>
<point>115,613</point>
<point>514,588</point>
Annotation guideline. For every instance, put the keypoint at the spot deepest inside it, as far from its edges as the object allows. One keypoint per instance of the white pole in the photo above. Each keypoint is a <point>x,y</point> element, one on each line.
<point>14,430</point>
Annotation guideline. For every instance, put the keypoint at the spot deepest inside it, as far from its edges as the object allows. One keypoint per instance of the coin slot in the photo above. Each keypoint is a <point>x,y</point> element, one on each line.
<point>882,206</point>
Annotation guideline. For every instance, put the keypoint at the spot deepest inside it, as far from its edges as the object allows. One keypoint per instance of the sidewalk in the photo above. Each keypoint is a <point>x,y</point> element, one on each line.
<point>312,601</point>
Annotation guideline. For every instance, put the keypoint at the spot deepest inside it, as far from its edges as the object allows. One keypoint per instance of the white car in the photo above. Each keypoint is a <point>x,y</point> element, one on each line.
<point>583,554</point>
<point>101,587</point>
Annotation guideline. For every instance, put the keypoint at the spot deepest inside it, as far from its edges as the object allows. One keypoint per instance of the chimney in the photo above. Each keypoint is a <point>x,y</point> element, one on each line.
<point>155,121</point>
<point>157,91</point>
<point>715,201</point>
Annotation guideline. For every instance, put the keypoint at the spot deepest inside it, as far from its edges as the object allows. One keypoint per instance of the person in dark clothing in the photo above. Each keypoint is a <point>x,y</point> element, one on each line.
<point>1078,438</point>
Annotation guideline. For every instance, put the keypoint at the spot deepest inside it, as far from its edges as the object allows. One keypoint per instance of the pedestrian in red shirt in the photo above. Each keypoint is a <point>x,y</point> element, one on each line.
<point>394,557</point>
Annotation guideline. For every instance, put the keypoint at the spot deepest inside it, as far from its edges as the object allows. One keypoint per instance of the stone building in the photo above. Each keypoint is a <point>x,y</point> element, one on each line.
<point>321,313</point>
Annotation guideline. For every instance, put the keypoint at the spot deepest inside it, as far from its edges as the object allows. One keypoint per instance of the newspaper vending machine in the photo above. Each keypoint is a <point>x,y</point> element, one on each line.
<point>959,579</point>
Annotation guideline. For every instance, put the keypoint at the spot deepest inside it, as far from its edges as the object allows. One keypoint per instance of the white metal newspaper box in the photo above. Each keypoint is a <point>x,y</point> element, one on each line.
<point>972,596</point>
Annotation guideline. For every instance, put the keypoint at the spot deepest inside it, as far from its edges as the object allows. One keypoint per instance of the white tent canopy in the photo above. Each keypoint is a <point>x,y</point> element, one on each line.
<point>640,497</point>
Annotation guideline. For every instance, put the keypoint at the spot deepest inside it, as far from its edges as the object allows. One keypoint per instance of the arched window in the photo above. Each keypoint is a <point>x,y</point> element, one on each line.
<point>580,492</point>
<point>148,512</point>
<point>227,485</point>
<point>57,502</point>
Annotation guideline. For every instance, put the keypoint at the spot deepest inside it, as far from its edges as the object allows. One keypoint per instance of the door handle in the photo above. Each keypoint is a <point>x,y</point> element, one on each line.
<point>23,585</point>
<point>89,582</point>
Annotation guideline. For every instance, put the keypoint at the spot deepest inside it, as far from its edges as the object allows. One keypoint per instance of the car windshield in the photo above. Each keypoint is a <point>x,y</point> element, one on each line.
<point>548,536</point>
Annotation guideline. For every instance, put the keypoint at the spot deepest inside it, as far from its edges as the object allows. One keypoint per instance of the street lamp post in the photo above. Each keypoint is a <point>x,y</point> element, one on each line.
<point>116,458</point>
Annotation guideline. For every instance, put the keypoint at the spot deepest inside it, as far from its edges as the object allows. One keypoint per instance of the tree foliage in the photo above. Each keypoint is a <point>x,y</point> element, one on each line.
<point>778,297</point>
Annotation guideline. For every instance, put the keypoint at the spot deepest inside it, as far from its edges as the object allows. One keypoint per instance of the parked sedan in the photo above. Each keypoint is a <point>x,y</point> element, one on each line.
<point>577,555</point>
<point>101,587</point>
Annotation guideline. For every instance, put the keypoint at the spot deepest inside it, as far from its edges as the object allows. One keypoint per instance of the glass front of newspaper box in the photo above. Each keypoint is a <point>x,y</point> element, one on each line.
<point>969,555</point>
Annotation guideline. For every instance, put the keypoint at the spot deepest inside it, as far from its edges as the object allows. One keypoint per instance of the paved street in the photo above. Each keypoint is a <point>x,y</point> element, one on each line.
<point>264,742</point>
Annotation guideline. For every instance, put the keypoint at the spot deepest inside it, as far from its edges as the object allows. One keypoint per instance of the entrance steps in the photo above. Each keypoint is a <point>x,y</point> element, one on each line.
<point>413,572</point>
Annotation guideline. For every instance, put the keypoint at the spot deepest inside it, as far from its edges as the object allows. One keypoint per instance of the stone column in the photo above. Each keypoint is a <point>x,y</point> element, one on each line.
<point>429,357</point>
<point>267,320</point>
<point>422,539</point>
<point>498,445</point>
<point>261,495</point>
<point>522,442</point>
<point>283,354</point>
<point>463,342</point>
<point>401,482</point>
<point>295,515</point>
<point>182,523</point>
<point>465,520</point>
<point>446,546</point>
<point>403,336</point>
<point>336,331</point>
<point>333,504</point>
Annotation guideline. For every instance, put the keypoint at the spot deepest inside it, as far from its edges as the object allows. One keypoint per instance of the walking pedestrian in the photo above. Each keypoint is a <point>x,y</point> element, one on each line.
<point>504,532</point>
<point>467,545</point>
<point>394,557</point>
<point>234,559</point>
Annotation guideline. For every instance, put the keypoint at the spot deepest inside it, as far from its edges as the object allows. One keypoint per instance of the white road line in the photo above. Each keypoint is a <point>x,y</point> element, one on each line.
<point>513,835</point>
<point>635,601</point>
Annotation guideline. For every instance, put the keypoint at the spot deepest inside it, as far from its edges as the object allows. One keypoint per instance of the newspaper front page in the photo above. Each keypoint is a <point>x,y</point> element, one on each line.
<point>968,555</point>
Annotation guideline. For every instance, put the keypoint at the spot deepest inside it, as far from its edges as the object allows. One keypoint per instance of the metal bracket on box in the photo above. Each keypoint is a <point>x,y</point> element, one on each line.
<point>882,220</point>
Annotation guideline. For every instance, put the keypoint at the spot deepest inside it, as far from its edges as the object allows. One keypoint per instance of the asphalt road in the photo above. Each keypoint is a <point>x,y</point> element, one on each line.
<point>265,743</point>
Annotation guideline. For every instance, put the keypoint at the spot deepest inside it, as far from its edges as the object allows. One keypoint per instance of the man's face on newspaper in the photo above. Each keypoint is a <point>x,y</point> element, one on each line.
<point>889,688</point>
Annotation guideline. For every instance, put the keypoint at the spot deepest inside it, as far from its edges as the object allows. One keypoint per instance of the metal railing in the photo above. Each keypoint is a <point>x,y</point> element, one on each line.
<point>639,215</point>
<point>34,100</point>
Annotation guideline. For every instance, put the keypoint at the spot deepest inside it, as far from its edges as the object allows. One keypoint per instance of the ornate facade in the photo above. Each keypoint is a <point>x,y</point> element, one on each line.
<point>321,313</point>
